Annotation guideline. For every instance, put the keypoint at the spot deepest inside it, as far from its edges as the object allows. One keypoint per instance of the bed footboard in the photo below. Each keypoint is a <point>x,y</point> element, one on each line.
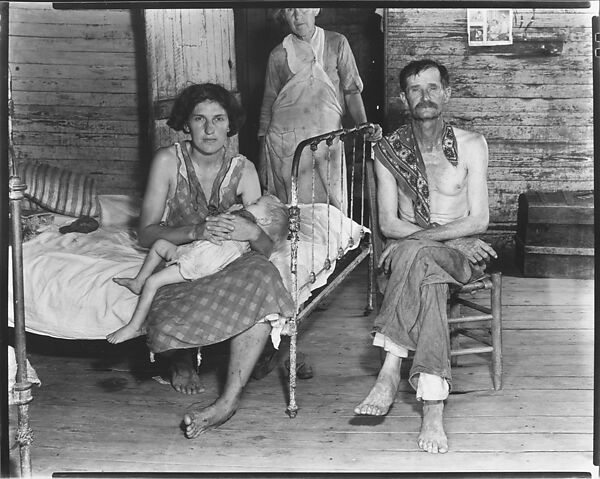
<point>356,153</point>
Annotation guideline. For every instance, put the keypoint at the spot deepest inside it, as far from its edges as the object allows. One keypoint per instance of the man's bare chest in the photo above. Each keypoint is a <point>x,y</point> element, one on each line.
<point>442,176</point>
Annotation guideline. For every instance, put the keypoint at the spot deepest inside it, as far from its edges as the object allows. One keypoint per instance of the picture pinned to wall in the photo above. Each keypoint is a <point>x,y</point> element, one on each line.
<point>489,26</point>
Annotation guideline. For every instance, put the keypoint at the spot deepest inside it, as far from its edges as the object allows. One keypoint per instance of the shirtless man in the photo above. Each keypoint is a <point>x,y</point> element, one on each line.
<point>432,198</point>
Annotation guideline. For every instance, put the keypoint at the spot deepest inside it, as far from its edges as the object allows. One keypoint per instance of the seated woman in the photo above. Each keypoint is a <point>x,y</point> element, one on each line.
<point>196,260</point>
<point>190,188</point>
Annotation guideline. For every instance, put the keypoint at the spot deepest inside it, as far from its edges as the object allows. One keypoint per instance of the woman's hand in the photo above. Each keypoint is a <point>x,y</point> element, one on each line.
<point>246,230</point>
<point>235,207</point>
<point>243,229</point>
<point>262,167</point>
<point>215,229</point>
<point>375,135</point>
<point>226,226</point>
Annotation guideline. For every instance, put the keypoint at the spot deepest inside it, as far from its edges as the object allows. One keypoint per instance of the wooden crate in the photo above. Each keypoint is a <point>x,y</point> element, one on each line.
<point>555,234</point>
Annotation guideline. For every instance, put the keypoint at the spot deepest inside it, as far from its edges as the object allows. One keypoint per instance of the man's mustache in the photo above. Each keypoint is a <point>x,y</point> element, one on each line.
<point>427,104</point>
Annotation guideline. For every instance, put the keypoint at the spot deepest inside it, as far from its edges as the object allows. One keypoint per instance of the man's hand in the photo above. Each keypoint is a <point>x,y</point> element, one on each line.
<point>385,261</point>
<point>476,250</point>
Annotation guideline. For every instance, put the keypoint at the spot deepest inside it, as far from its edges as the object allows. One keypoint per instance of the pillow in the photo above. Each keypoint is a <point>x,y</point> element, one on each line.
<point>119,210</point>
<point>60,190</point>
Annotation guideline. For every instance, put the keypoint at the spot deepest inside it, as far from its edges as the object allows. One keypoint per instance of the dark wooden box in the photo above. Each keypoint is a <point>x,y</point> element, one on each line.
<point>555,234</point>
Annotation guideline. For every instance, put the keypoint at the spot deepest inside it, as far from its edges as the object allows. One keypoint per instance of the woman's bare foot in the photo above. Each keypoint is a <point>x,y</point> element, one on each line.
<point>201,419</point>
<point>130,283</point>
<point>128,331</point>
<point>184,377</point>
<point>381,396</point>
<point>432,437</point>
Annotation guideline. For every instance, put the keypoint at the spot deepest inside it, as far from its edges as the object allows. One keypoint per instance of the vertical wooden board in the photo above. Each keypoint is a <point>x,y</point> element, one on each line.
<point>186,46</point>
<point>228,33</point>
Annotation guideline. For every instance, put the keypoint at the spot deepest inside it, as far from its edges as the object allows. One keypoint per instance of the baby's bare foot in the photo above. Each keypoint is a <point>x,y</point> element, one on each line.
<point>432,437</point>
<point>130,283</point>
<point>123,334</point>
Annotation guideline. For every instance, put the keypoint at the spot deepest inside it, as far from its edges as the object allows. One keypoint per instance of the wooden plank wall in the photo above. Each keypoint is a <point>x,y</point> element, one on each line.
<point>184,47</point>
<point>534,108</point>
<point>361,26</point>
<point>75,92</point>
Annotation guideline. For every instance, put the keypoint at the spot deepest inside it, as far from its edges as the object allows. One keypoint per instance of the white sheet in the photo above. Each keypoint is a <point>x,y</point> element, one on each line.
<point>312,259</point>
<point>68,287</point>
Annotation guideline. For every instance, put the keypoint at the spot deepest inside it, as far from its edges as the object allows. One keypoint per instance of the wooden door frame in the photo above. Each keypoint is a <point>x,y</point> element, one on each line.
<point>250,67</point>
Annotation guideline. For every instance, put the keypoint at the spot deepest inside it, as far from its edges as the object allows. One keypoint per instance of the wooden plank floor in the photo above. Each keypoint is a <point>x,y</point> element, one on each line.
<point>99,409</point>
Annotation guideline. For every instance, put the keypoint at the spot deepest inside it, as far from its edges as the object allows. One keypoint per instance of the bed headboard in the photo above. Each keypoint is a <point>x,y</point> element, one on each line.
<point>361,207</point>
<point>361,184</point>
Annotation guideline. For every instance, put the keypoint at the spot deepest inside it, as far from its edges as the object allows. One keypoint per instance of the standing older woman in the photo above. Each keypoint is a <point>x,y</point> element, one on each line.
<point>190,188</point>
<point>311,80</point>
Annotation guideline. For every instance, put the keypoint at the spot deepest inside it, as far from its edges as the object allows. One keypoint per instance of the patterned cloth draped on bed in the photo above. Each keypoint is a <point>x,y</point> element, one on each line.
<point>227,303</point>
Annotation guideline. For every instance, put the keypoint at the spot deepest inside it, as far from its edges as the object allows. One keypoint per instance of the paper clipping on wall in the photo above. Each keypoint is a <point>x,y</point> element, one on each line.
<point>489,26</point>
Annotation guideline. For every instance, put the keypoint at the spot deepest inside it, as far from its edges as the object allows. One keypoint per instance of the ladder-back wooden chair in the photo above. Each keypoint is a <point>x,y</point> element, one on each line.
<point>485,327</point>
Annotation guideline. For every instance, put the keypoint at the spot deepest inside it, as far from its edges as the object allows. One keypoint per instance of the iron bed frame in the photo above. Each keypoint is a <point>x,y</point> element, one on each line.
<point>22,395</point>
<point>350,139</point>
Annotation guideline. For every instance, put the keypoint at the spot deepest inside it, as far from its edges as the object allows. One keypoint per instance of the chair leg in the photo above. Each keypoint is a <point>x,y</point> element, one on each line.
<point>496,306</point>
<point>454,336</point>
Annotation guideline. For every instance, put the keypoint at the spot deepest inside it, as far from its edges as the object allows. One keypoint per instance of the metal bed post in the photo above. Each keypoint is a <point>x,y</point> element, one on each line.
<point>292,408</point>
<point>371,288</point>
<point>294,209</point>
<point>4,173</point>
<point>22,390</point>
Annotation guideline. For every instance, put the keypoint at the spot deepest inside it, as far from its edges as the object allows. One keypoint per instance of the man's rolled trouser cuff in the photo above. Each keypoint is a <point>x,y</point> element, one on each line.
<point>382,341</point>
<point>429,387</point>
<point>432,388</point>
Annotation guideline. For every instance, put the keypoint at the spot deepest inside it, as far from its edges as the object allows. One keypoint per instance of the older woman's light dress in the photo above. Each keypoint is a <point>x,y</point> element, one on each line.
<point>304,97</point>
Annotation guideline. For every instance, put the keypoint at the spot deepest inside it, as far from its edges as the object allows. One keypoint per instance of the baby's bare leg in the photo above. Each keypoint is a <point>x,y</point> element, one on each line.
<point>169,275</point>
<point>160,250</point>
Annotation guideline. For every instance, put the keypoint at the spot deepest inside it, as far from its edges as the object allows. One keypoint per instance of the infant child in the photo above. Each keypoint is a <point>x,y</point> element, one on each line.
<point>195,260</point>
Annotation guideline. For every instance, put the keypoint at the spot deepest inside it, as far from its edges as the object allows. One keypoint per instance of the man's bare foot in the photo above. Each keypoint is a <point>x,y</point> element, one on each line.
<point>128,331</point>
<point>130,283</point>
<point>381,396</point>
<point>432,437</point>
<point>184,377</point>
<point>200,419</point>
